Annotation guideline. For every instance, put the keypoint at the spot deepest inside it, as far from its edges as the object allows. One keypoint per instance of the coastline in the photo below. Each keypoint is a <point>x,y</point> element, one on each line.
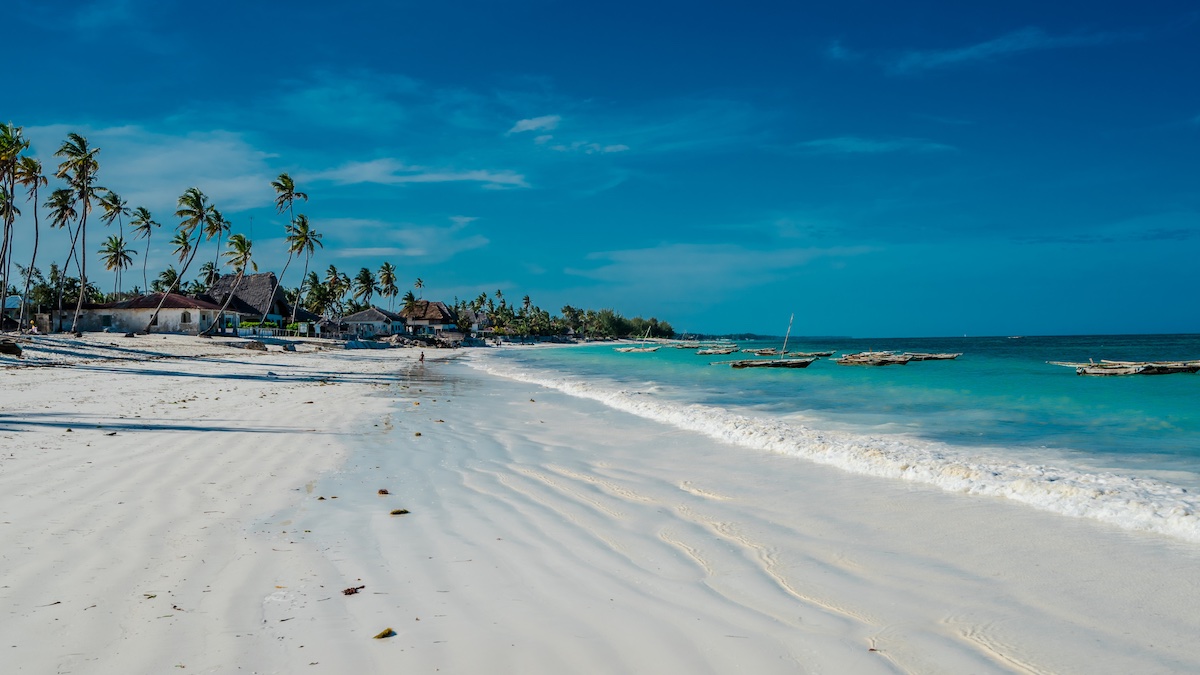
<point>546,534</point>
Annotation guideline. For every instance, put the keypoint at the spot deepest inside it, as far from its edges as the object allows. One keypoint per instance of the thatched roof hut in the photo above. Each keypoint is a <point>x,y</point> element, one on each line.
<point>253,295</point>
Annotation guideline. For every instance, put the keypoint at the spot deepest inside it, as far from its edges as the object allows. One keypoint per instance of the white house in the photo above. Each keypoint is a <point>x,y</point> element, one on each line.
<point>179,314</point>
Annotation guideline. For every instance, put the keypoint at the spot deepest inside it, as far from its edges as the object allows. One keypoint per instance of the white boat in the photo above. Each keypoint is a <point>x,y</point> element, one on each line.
<point>716,351</point>
<point>642,348</point>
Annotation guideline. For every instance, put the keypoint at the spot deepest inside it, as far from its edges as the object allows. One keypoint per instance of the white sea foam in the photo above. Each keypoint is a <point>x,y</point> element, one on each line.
<point>1130,502</point>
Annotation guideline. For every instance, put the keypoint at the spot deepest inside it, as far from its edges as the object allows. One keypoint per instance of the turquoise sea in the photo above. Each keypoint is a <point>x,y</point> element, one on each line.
<point>998,420</point>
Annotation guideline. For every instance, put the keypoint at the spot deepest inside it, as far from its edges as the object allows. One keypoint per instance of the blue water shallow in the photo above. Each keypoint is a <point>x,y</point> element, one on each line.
<point>1001,394</point>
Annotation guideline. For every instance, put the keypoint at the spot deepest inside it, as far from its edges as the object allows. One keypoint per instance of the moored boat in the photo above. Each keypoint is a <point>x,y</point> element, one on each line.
<point>1106,367</point>
<point>772,363</point>
<point>873,359</point>
<point>925,356</point>
<point>716,351</point>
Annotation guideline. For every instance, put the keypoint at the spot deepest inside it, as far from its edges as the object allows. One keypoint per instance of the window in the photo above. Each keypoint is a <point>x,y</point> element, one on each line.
<point>106,320</point>
<point>186,317</point>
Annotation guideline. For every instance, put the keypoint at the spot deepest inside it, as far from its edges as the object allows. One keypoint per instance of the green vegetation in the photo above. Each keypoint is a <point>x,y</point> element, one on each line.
<point>199,220</point>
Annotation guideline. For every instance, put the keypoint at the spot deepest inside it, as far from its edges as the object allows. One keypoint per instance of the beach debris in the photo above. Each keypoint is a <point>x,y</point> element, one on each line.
<point>320,499</point>
<point>440,421</point>
<point>150,596</point>
<point>399,512</point>
<point>416,403</point>
<point>111,433</point>
<point>383,491</point>
<point>352,590</point>
<point>385,633</point>
<point>532,401</point>
<point>417,433</point>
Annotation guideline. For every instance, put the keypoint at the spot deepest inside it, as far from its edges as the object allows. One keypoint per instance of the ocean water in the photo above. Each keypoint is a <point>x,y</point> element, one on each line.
<point>998,420</point>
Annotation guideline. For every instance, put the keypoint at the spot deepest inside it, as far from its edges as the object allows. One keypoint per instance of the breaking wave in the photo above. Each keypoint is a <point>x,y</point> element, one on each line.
<point>1131,502</point>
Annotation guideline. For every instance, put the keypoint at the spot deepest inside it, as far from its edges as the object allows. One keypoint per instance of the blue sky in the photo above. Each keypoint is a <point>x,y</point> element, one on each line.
<point>920,168</point>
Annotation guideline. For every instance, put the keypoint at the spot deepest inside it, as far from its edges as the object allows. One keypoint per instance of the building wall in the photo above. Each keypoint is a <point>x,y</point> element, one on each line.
<point>135,320</point>
<point>370,327</point>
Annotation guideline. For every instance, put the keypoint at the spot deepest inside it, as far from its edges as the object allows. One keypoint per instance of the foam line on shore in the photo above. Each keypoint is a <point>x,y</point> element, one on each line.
<point>1130,502</point>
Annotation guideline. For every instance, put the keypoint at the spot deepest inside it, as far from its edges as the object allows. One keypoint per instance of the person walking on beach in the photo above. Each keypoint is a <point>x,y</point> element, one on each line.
<point>422,359</point>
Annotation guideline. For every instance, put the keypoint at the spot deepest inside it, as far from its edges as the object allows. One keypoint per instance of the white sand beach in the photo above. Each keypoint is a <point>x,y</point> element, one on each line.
<point>179,504</point>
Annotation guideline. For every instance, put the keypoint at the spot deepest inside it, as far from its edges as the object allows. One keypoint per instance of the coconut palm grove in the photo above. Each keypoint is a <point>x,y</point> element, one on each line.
<point>67,192</point>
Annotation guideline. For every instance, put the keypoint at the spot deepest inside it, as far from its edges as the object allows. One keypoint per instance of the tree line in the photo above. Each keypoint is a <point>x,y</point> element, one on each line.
<point>77,193</point>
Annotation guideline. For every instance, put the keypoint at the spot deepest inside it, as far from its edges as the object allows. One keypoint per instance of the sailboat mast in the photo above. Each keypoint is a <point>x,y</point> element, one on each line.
<point>783,352</point>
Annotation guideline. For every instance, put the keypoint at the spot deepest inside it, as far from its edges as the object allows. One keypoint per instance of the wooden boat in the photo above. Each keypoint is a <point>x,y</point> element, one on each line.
<point>924,356</point>
<point>805,354</point>
<point>1106,368</point>
<point>873,359</point>
<point>716,351</point>
<point>772,363</point>
<point>641,348</point>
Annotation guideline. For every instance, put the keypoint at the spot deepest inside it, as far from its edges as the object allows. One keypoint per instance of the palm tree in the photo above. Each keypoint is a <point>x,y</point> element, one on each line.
<point>166,279</point>
<point>410,301</point>
<point>116,209</point>
<point>143,225</point>
<point>365,286</point>
<point>11,146</point>
<point>285,188</point>
<point>116,256</point>
<point>195,215</point>
<point>238,256</point>
<point>28,173</point>
<point>208,274</point>
<point>387,284</point>
<point>183,245</point>
<point>297,242</point>
<point>419,285</point>
<point>62,211</point>
<point>337,283</point>
<point>78,168</point>
<point>303,239</point>
<point>217,227</point>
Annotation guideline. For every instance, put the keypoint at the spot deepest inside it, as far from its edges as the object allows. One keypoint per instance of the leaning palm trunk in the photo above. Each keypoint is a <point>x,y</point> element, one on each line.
<point>146,259</point>
<point>82,268</point>
<point>33,261</point>
<point>228,299</point>
<point>178,277</point>
<point>296,304</point>
<point>274,290</point>
<point>6,246</point>
<point>62,286</point>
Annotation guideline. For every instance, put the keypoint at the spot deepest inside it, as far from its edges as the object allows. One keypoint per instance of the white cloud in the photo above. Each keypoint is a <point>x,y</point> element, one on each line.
<point>702,268</point>
<point>388,171</point>
<point>858,145</point>
<point>589,148</point>
<point>545,122</point>
<point>1024,40</point>
<point>430,243</point>
<point>152,169</point>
